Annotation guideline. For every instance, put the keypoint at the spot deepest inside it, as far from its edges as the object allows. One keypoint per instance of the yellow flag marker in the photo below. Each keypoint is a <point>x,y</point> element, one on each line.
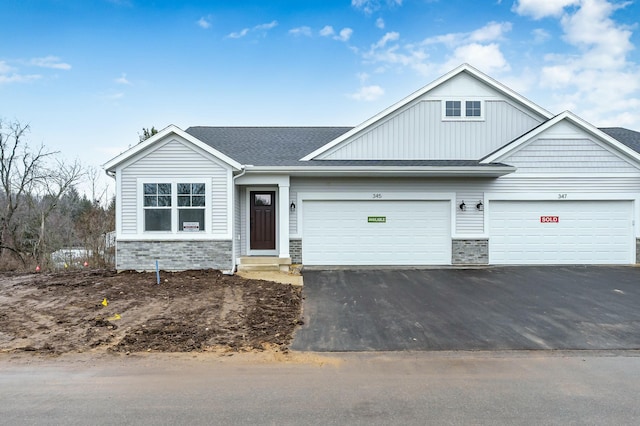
<point>65,265</point>
<point>115,317</point>
<point>105,302</point>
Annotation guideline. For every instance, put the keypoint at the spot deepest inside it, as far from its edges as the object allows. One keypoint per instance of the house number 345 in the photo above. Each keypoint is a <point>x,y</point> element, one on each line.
<point>377,195</point>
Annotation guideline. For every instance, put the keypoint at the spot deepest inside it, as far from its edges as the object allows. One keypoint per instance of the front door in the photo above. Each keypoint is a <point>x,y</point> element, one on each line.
<point>263,220</point>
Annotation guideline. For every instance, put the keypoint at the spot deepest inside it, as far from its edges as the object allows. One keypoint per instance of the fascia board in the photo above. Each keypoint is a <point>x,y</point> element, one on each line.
<point>462,68</point>
<point>377,170</point>
<point>132,152</point>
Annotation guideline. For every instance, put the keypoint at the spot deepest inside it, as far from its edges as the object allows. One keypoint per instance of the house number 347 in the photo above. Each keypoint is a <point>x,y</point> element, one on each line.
<point>377,195</point>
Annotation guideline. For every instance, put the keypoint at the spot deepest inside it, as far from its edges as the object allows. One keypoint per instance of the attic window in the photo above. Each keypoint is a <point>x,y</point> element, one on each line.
<point>463,109</point>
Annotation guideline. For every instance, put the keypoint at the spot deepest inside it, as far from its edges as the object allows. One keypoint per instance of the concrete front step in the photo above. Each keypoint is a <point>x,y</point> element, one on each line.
<point>264,263</point>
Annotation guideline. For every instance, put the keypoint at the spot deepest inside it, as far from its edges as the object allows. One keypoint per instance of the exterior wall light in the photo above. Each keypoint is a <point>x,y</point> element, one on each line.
<point>462,206</point>
<point>479,206</point>
<point>292,207</point>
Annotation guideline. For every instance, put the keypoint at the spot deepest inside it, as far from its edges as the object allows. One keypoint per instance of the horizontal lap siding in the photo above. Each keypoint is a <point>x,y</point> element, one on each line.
<point>418,132</point>
<point>174,160</point>
<point>567,156</point>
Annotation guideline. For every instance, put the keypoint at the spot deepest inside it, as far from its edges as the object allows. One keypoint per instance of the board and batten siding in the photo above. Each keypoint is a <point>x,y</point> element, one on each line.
<point>418,132</point>
<point>173,160</point>
<point>567,156</point>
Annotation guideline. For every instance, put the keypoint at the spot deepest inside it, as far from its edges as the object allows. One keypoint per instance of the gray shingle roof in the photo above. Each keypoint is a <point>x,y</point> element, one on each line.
<point>284,146</point>
<point>628,137</point>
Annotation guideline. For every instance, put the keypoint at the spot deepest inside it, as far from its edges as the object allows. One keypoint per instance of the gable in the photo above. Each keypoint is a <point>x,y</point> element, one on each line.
<point>418,132</point>
<point>418,128</point>
<point>567,149</point>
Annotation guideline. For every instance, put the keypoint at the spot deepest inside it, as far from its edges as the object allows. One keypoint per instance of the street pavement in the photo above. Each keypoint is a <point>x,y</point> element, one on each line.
<point>404,388</point>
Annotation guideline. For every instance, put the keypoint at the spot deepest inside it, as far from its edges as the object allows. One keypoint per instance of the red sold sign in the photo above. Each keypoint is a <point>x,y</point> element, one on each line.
<point>549,219</point>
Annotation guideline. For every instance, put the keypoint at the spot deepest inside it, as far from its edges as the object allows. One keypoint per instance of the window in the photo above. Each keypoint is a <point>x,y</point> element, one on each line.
<point>472,108</point>
<point>157,207</point>
<point>191,205</point>
<point>462,110</point>
<point>453,109</point>
<point>174,207</point>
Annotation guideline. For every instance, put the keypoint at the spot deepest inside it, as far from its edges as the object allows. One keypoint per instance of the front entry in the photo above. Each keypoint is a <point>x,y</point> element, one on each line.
<point>262,220</point>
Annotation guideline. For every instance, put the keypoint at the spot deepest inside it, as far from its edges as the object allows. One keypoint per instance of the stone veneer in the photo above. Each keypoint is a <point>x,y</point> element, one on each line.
<point>173,255</point>
<point>295,251</point>
<point>637,250</point>
<point>470,252</point>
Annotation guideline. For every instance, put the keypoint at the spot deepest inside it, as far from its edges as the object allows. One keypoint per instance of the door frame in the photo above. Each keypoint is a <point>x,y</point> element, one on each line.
<point>247,215</point>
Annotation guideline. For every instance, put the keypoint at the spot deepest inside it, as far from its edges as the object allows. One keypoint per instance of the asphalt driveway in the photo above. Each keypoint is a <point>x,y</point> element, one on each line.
<point>501,308</point>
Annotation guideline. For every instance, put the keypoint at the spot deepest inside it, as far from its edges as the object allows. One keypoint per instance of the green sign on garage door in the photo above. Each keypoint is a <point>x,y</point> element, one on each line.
<point>377,219</point>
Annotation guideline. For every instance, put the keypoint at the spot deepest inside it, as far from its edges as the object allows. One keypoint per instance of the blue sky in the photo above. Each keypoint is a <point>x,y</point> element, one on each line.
<point>87,75</point>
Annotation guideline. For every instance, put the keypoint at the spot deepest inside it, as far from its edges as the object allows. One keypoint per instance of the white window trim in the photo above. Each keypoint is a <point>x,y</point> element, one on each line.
<point>463,109</point>
<point>174,207</point>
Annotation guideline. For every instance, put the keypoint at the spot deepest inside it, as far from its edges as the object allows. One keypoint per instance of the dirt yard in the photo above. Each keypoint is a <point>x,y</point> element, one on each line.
<point>98,311</point>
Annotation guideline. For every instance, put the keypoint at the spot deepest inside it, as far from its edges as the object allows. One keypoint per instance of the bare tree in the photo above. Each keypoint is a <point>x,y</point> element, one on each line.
<point>21,169</point>
<point>50,188</point>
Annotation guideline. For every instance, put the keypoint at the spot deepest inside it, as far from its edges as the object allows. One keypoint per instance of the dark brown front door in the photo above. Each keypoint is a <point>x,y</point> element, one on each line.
<point>263,220</point>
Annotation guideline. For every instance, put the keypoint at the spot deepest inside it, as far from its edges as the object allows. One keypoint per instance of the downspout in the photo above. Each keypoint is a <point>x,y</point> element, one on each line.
<point>233,220</point>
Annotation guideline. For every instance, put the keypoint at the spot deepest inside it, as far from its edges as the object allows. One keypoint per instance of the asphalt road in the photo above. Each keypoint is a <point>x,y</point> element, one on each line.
<point>356,389</point>
<point>496,308</point>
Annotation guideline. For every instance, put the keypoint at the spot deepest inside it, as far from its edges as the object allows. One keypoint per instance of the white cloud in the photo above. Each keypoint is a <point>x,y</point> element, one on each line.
<point>204,22</point>
<point>540,35</point>
<point>300,31</point>
<point>389,53</point>
<point>362,77</point>
<point>267,26</point>
<point>487,58</point>
<point>5,68</point>
<point>538,9</point>
<point>18,78</point>
<point>490,32</point>
<point>50,62</point>
<point>239,34</point>
<point>123,80</point>
<point>367,93</point>
<point>597,79</point>
<point>327,31</point>
<point>392,36</point>
<point>370,6</point>
<point>344,34</point>
<point>261,28</point>
<point>380,23</point>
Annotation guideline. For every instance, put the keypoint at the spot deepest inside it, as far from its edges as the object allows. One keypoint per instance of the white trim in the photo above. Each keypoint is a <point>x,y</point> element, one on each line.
<point>467,171</point>
<point>184,236</point>
<point>118,204</point>
<point>510,148</point>
<point>230,204</point>
<point>462,68</point>
<point>175,233</point>
<point>369,196</point>
<point>171,129</point>
<point>568,196</point>
<point>463,109</point>
<point>275,203</point>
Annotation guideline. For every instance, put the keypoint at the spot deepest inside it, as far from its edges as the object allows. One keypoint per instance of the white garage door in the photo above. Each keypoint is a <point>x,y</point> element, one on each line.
<point>376,233</point>
<point>561,232</point>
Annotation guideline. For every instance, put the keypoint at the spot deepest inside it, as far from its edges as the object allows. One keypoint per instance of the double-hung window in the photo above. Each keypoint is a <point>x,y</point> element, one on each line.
<point>176,206</point>
<point>191,205</point>
<point>157,206</point>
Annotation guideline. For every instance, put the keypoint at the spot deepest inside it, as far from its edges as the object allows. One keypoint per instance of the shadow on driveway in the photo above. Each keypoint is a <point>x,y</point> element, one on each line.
<point>497,308</point>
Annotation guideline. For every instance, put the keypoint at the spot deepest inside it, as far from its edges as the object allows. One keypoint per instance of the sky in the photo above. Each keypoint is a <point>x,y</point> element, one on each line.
<point>88,75</point>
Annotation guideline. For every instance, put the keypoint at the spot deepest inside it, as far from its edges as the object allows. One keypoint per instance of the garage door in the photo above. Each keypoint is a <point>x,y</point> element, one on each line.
<point>561,232</point>
<point>376,233</point>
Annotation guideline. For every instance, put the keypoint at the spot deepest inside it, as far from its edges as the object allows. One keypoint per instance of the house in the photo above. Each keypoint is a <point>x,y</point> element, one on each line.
<point>464,171</point>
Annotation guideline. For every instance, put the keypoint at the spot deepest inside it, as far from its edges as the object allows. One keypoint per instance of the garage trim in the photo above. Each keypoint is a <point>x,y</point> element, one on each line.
<point>369,196</point>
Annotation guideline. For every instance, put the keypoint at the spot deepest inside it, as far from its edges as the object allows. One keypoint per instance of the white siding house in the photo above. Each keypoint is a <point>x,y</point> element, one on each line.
<point>464,171</point>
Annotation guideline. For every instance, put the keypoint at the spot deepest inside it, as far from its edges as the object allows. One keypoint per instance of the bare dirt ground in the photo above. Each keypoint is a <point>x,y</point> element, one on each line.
<point>101,311</point>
